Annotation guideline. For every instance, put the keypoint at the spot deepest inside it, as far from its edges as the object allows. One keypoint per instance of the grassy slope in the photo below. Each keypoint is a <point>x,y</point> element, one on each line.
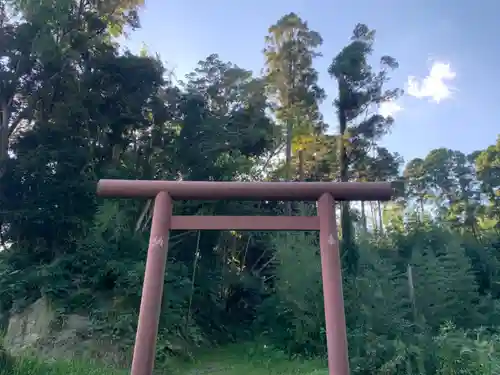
<point>235,360</point>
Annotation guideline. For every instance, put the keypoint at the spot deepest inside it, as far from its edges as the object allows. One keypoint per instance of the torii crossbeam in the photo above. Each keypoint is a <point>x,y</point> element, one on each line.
<point>164,192</point>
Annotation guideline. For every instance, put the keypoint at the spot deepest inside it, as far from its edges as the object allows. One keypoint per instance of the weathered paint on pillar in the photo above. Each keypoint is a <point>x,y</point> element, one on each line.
<point>336,332</point>
<point>152,290</point>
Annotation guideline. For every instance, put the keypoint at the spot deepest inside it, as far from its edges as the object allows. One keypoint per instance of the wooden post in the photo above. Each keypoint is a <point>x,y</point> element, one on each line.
<point>331,270</point>
<point>152,290</point>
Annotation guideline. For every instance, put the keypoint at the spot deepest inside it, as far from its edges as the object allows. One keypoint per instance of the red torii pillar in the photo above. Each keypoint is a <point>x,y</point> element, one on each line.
<point>325,193</point>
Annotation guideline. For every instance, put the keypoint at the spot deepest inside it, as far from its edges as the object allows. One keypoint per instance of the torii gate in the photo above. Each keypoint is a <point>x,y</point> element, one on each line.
<point>325,193</point>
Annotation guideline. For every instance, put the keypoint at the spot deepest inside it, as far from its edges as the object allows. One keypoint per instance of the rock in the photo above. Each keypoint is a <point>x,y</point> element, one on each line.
<point>41,330</point>
<point>25,329</point>
<point>34,329</point>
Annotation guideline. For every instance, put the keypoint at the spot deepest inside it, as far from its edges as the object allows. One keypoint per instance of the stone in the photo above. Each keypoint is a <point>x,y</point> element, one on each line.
<point>25,329</point>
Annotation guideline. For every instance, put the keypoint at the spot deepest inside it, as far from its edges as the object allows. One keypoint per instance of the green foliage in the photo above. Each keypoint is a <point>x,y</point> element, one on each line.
<point>395,323</point>
<point>33,366</point>
<point>467,352</point>
<point>293,314</point>
<point>245,358</point>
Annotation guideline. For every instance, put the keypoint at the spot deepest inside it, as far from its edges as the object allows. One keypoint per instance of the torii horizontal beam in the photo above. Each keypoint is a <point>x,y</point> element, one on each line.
<point>186,222</point>
<point>216,190</point>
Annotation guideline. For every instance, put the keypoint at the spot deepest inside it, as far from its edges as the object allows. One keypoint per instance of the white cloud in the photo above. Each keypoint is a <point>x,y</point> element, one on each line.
<point>435,86</point>
<point>389,109</point>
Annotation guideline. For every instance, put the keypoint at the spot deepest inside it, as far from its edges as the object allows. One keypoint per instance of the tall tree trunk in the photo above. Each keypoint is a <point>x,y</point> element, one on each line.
<point>116,153</point>
<point>289,130</point>
<point>373,217</point>
<point>411,291</point>
<point>421,209</point>
<point>363,216</point>
<point>289,122</point>
<point>381,222</point>
<point>301,165</point>
<point>349,252</point>
<point>4,131</point>
<point>288,151</point>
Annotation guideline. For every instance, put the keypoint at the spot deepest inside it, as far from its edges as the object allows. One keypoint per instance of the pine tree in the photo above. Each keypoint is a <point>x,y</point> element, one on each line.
<point>291,47</point>
<point>459,284</point>
<point>445,287</point>
<point>360,90</point>
<point>383,293</point>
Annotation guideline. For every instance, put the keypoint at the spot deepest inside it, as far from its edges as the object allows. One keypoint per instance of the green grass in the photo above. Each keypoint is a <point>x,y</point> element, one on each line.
<point>234,360</point>
<point>33,366</point>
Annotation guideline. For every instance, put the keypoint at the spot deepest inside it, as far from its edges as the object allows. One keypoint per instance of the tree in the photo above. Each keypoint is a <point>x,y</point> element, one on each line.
<point>50,36</point>
<point>444,282</point>
<point>488,171</point>
<point>117,14</point>
<point>446,181</point>
<point>360,90</point>
<point>234,126</point>
<point>18,78</point>
<point>83,130</point>
<point>373,164</point>
<point>417,183</point>
<point>292,80</point>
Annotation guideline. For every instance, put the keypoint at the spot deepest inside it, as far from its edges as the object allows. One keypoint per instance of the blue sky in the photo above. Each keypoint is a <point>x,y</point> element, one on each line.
<point>459,36</point>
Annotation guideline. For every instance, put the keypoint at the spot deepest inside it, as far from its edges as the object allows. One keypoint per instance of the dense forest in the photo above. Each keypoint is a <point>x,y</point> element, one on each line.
<point>421,273</point>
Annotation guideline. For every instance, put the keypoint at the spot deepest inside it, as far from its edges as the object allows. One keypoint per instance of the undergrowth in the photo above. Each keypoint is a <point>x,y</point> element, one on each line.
<point>240,359</point>
<point>34,366</point>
